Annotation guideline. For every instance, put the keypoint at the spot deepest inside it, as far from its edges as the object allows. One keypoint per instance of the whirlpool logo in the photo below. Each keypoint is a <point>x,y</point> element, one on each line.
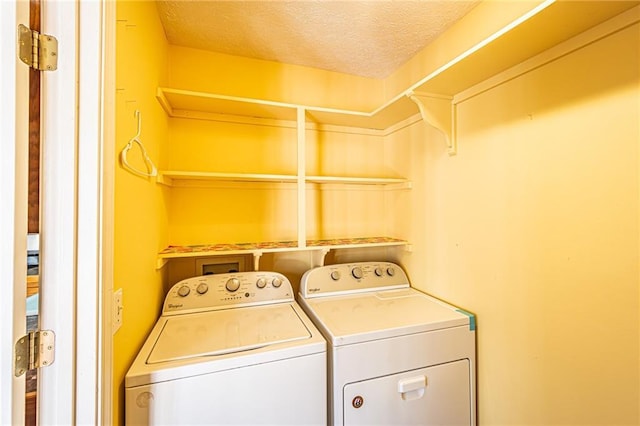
<point>174,306</point>
<point>314,290</point>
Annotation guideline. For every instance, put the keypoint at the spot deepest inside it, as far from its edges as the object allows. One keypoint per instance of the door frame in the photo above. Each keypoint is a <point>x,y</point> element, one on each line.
<point>81,308</point>
<point>77,211</point>
<point>96,171</point>
<point>14,110</point>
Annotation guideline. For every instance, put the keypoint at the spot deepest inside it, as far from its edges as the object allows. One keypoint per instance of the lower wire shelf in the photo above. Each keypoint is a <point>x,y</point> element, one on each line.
<point>258,248</point>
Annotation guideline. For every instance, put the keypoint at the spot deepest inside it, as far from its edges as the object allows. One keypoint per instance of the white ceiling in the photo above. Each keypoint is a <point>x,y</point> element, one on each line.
<point>370,38</point>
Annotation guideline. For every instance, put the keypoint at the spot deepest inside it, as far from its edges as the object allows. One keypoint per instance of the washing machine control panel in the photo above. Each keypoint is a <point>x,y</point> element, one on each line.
<point>226,291</point>
<point>352,278</point>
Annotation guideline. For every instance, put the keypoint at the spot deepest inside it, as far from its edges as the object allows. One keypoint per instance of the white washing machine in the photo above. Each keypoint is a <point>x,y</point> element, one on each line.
<point>230,349</point>
<point>396,356</point>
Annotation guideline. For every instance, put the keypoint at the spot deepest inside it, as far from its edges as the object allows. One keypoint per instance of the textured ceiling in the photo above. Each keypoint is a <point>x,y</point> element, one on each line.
<point>366,38</point>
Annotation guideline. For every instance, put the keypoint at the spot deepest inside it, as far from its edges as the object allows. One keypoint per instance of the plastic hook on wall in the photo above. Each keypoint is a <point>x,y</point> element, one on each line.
<point>151,168</point>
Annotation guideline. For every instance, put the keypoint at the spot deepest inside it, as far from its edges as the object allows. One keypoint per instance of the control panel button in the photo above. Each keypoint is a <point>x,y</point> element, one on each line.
<point>202,288</point>
<point>391,271</point>
<point>261,283</point>
<point>277,282</point>
<point>357,272</point>
<point>184,291</point>
<point>335,275</point>
<point>379,272</point>
<point>233,284</point>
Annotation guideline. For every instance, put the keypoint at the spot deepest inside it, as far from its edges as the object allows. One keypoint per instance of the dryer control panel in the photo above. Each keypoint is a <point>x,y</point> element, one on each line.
<point>226,291</point>
<point>352,278</point>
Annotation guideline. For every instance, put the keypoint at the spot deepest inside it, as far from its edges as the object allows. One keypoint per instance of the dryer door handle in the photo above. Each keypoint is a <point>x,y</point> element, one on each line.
<point>412,387</point>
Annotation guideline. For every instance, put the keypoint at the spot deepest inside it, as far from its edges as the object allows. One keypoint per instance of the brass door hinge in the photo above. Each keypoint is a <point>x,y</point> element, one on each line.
<point>35,350</point>
<point>39,51</point>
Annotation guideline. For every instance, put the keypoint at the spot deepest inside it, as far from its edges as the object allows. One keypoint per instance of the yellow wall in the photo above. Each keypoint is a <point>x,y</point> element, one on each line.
<point>252,78</point>
<point>140,204</point>
<point>209,212</point>
<point>148,216</point>
<point>533,226</point>
<point>203,212</point>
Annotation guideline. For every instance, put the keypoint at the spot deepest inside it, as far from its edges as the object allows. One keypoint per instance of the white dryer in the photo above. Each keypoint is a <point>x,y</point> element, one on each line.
<point>230,349</point>
<point>396,356</point>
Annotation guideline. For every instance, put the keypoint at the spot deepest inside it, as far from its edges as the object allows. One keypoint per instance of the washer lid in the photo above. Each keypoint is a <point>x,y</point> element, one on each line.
<point>222,332</point>
<point>383,314</point>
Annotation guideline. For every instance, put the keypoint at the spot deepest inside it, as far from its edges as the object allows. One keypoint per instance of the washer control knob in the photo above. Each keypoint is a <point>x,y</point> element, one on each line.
<point>184,291</point>
<point>232,284</point>
<point>261,283</point>
<point>379,272</point>
<point>277,282</point>
<point>335,275</point>
<point>202,288</point>
<point>391,271</point>
<point>357,272</point>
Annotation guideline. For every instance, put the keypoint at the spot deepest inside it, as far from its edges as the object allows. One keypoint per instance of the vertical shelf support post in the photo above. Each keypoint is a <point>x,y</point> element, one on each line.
<point>301,136</point>
<point>318,256</point>
<point>256,259</point>
<point>440,112</point>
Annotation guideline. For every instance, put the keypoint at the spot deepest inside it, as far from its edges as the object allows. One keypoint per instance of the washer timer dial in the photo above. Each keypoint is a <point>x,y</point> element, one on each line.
<point>357,272</point>
<point>261,283</point>
<point>233,284</point>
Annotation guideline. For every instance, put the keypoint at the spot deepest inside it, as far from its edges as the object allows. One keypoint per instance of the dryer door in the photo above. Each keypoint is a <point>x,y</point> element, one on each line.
<point>438,395</point>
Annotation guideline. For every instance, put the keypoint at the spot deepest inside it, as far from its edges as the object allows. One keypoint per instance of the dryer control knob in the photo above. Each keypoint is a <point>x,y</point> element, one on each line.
<point>379,272</point>
<point>335,275</point>
<point>277,282</point>
<point>202,288</point>
<point>232,284</point>
<point>261,283</point>
<point>184,291</point>
<point>391,272</point>
<point>357,272</point>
